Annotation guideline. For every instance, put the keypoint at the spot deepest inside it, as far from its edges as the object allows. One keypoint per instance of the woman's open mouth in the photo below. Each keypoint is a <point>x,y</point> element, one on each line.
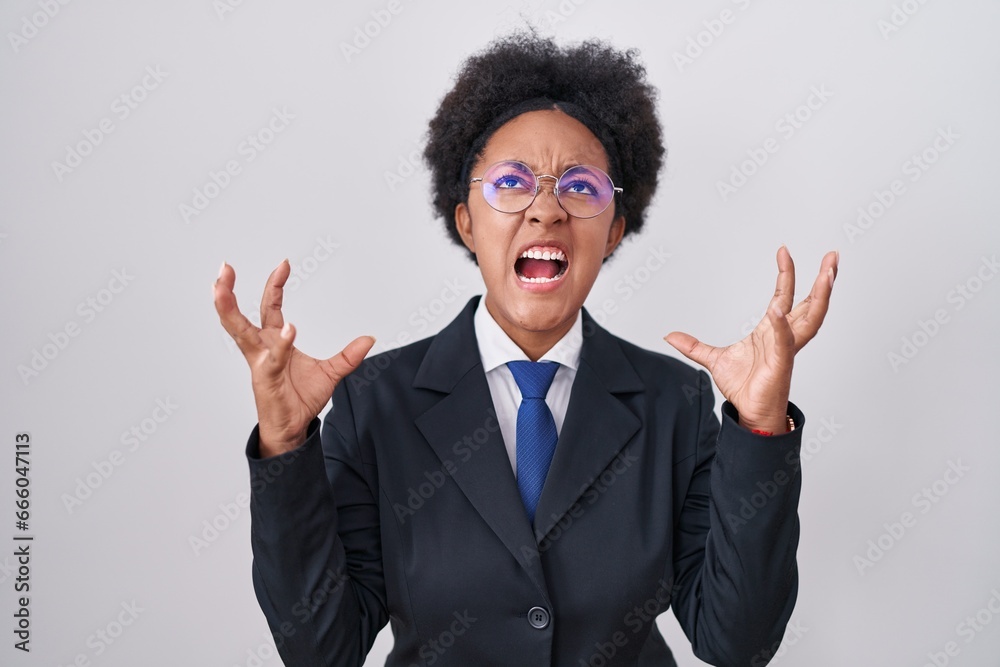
<point>541,264</point>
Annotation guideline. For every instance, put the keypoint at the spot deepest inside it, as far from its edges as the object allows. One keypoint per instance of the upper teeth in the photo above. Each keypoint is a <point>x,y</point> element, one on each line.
<point>544,254</point>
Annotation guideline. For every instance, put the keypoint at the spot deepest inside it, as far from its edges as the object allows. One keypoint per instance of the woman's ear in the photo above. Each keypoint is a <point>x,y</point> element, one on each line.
<point>463,223</point>
<point>615,234</point>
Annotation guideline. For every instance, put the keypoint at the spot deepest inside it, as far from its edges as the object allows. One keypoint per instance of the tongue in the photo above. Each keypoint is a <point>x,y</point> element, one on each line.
<point>538,268</point>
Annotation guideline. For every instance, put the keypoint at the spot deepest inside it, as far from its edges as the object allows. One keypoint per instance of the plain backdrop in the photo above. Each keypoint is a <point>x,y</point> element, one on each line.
<point>864,126</point>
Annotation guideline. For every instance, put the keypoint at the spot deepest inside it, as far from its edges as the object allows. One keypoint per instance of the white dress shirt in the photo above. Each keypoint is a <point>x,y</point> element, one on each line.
<point>496,349</point>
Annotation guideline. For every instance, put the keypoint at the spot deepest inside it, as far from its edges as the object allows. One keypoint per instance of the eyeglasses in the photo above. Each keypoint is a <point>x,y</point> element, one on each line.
<point>583,191</point>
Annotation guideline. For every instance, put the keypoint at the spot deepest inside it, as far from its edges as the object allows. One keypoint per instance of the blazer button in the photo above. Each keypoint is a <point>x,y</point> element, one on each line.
<point>538,617</point>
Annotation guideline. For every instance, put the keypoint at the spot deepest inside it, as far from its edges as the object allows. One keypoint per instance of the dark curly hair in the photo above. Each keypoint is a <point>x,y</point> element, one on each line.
<point>603,88</point>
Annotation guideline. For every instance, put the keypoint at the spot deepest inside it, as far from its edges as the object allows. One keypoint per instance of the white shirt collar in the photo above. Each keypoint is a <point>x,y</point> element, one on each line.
<point>496,348</point>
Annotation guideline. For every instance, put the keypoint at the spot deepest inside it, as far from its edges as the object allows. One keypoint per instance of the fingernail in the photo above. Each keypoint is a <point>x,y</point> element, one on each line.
<point>222,268</point>
<point>286,331</point>
<point>832,275</point>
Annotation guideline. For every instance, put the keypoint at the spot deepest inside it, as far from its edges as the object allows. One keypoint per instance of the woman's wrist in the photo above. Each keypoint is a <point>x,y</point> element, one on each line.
<point>768,426</point>
<point>274,446</point>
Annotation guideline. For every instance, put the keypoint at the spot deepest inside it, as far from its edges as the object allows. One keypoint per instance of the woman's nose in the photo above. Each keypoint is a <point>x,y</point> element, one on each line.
<point>545,207</point>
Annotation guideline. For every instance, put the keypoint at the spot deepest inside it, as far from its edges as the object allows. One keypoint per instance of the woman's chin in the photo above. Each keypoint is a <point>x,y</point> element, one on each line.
<point>541,317</point>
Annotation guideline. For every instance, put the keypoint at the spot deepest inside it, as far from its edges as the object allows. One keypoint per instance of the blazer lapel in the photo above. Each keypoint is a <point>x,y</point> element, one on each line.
<point>596,428</point>
<point>464,421</point>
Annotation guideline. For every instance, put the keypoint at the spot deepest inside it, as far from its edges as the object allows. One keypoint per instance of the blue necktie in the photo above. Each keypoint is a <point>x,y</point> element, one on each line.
<point>536,430</point>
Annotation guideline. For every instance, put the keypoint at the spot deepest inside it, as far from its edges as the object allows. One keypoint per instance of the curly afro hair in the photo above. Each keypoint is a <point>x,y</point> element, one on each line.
<point>603,88</point>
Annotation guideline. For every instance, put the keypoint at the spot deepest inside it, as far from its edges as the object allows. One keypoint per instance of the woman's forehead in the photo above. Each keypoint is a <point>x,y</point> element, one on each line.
<point>544,140</point>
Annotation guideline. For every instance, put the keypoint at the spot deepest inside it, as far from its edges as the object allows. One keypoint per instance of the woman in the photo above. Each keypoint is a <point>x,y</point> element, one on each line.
<point>525,488</point>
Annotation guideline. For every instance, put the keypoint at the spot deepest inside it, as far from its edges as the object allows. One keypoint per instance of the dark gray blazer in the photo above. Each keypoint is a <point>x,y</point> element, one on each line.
<point>405,510</point>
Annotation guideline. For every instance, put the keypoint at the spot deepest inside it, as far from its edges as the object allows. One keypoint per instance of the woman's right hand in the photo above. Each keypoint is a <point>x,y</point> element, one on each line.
<point>289,387</point>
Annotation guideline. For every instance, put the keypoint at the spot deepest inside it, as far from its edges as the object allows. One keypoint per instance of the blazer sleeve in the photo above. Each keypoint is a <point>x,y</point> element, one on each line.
<point>317,562</point>
<point>734,555</point>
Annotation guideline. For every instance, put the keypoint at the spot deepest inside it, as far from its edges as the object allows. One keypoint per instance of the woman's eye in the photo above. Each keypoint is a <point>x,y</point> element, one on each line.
<point>509,182</point>
<point>580,188</point>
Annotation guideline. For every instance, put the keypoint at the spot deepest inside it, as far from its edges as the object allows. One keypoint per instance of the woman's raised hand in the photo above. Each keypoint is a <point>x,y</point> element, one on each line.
<point>755,374</point>
<point>289,387</point>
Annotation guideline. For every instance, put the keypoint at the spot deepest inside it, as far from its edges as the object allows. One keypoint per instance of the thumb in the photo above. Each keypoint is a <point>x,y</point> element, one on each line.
<point>345,361</point>
<point>690,347</point>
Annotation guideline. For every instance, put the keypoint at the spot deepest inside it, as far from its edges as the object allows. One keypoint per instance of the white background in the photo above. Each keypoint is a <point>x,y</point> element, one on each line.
<point>360,116</point>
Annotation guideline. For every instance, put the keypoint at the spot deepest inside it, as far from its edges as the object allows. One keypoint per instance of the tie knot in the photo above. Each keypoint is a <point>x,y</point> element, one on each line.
<point>533,377</point>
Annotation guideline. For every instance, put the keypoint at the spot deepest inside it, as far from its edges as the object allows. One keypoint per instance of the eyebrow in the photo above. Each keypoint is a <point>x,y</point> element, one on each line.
<point>569,163</point>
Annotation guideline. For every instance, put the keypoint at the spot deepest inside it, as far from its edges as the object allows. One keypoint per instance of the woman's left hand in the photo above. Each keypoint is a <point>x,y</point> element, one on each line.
<point>755,374</point>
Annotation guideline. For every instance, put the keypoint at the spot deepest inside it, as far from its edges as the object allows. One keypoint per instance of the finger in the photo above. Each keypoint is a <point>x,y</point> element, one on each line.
<point>781,334</point>
<point>280,351</point>
<point>784,290</point>
<point>809,315</point>
<point>233,321</point>
<point>692,348</point>
<point>270,304</point>
<point>345,361</point>
<point>830,260</point>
